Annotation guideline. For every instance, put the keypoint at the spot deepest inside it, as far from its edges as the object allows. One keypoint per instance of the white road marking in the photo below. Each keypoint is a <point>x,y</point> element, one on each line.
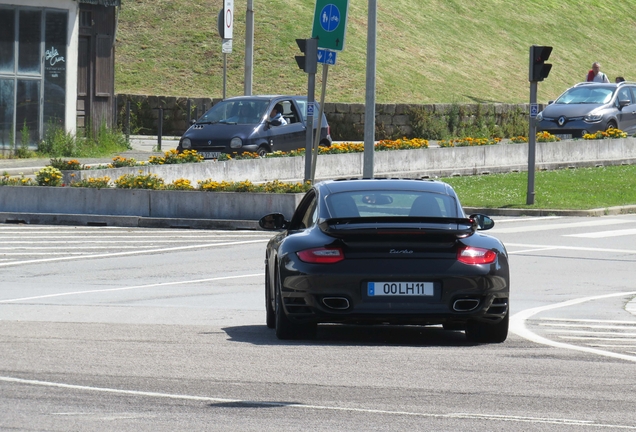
<point>604,234</point>
<point>573,248</point>
<point>300,406</point>
<point>590,326</point>
<point>597,338</point>
<point>155,285</point>
<point>618,335</point>
<point>589,321</point>
<point>526,219</point>
<point>518,326</point>
<point>548,227</point>
<point>138,252</point>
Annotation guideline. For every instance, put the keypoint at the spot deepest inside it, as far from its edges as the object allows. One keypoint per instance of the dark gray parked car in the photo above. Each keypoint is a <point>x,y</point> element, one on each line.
<point>591,107</point>
<point>242,124</point>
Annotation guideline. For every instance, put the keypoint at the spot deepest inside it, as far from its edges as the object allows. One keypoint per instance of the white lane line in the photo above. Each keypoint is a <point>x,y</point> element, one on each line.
<point>618,335</point>
<point>139,252</point>
<point>112,241</point>
<point>116,237</point>
<point>589,321</point>
<point>590,326</point>
<point>301,406</point>
<point>584,338</point>
<point>163,284</point>
<point>548,227</point>
<point>541,249</point>
<point>518,326</point>
<point>604,234</point>
<point>534,219</point>
<point>572,248</point>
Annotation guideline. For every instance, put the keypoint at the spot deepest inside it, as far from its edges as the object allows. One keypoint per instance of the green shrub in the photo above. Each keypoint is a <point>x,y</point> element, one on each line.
<point>49,176</point>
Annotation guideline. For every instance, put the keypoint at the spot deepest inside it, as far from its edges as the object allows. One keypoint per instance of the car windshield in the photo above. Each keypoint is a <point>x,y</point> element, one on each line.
<point>586,95</point>
<point>236,112</point>
<point>390,203</point>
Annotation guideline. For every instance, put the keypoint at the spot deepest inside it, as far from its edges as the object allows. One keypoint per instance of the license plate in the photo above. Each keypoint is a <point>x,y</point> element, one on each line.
<point>375,289</point>
<point>210,155</point>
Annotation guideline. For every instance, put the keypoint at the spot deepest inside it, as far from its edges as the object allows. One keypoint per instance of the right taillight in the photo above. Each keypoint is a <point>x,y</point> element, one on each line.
<point>474,255</point>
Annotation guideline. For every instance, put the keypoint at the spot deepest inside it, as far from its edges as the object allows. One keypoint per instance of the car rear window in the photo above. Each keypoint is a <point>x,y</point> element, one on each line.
<point>390,203</point>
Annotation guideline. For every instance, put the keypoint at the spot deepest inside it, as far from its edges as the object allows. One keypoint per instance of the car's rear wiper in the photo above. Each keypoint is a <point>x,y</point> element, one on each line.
<point>228,122</point>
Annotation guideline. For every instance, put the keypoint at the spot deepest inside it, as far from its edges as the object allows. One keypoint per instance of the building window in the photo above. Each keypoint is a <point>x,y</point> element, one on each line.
<point>33,45</point>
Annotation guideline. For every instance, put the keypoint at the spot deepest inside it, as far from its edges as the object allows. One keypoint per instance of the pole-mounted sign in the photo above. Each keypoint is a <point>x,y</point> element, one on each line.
<point>330,23</point>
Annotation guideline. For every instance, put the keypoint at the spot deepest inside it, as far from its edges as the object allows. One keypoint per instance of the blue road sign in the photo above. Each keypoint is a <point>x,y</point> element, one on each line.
<point>330,23</point>
<point>534,110</point>
<point>326,56</point>
<point>310,109</point>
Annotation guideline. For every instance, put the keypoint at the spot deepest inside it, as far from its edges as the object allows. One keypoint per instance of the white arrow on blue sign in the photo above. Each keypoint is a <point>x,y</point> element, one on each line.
<point>326,56</point>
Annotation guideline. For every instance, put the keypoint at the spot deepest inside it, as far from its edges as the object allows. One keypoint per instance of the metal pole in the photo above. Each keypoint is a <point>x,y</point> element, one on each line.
<point>128,121</point>
<point>311,98</point>
<point>249,47</point>
<point>532,136</point>
<point>369,111</point>
<point>160,128</point>
<point>325,69</point>
<point>224,73</point>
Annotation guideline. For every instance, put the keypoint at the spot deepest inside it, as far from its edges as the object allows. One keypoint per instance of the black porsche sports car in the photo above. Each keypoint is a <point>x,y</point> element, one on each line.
<point>385,251</point>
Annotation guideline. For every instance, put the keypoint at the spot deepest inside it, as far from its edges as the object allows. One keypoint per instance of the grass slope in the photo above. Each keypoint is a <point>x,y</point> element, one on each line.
<point>428,51</point>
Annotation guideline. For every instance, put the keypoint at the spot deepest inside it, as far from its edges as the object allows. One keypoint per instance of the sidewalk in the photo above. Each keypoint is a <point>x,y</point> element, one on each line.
<point>142,148</point>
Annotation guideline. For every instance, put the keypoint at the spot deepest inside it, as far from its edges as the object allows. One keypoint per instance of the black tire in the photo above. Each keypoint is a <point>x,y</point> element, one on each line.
<point>270,313</point>
<point>484,332</point>
<point>285,328</point>
<point>325,143</point>
<point>611,124</point>
<point>262,151</point>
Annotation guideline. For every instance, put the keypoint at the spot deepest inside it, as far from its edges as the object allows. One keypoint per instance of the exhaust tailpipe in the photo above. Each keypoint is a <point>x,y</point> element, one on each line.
<point>340,303</point>
<point>465,305</point>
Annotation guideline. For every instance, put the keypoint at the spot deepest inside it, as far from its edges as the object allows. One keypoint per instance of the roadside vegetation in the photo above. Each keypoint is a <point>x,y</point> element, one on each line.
<point>59,143</point>
<point>577,189</point>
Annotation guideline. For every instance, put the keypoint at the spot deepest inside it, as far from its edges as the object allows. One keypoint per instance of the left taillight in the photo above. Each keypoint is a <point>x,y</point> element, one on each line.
<point>474,255</point>
<point>321,255</point>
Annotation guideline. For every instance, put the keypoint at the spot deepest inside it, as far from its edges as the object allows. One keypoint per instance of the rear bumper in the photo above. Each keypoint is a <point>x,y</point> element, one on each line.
<point>455,299</point>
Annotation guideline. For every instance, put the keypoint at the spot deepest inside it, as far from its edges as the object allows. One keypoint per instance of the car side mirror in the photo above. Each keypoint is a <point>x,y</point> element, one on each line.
<point>273,221</point>
<point>193,121</point>
<point>483,222</point>
<point>550,102</point>
<point>623,103</point>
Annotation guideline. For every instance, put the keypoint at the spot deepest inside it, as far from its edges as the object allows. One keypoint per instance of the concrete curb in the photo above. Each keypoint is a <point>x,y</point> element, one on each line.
<point>124,221</point>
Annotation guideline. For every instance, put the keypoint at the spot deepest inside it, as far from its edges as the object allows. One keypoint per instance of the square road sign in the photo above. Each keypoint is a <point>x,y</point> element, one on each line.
<point>330,23</point>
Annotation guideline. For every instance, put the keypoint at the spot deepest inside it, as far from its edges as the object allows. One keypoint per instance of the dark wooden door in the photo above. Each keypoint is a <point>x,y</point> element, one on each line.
<point>96,67</point>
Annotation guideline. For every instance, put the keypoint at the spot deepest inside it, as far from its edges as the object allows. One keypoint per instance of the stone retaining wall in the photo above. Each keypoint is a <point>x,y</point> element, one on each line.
<point>346,119</point>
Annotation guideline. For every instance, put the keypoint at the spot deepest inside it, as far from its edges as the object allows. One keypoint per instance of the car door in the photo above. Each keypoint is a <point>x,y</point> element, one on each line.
<point>286,137</point>
<point>627,114</point>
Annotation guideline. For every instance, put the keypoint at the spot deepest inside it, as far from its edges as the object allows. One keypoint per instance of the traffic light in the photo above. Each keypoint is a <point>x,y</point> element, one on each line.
<point>539,70</point>
<point>308,62</point>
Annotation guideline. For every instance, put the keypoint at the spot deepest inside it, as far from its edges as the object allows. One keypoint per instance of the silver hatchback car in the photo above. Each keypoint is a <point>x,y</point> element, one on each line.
<point>590,107</point>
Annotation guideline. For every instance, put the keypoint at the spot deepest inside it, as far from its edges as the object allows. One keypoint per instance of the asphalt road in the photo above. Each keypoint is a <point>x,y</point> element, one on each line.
<point>107,328</point>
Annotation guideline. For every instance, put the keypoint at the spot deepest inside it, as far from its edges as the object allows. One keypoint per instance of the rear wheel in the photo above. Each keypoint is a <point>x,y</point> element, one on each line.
<point>484,332</point>
<point>285,328</point>
<point>611,124</point>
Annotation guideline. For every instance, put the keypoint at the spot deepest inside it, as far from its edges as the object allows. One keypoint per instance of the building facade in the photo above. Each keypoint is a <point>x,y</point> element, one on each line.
<point>56,67</point>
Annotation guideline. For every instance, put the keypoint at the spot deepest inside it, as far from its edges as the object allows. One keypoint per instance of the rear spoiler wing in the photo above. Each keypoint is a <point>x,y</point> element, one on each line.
<point>398,225</point>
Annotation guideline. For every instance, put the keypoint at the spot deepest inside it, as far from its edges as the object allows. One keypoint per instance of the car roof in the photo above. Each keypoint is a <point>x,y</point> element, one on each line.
<point>418,185</point>
<point>265,97</point>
